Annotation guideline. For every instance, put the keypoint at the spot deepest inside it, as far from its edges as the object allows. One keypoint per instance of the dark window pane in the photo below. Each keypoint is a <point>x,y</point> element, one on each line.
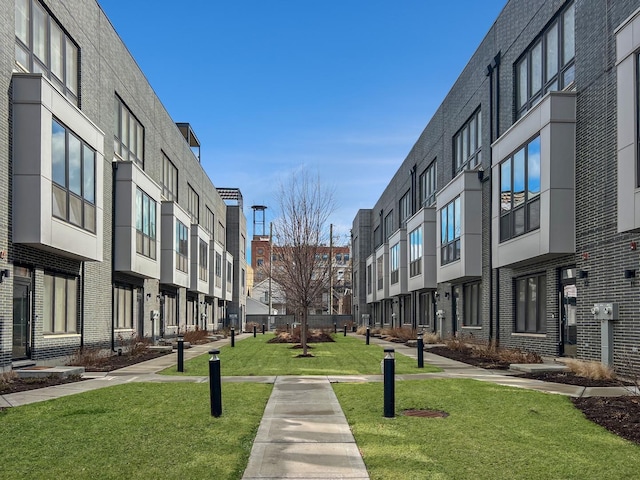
<point>534,215</point>
<point>518,221</point>
<point>505,227</point>
<point>59,202</point>
<point>90,217</point>
<point>75,210</point>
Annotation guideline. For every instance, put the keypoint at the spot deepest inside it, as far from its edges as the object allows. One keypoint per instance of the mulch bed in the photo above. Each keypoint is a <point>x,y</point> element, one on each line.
<point>114,362</point>
<point>466,356</point>
<point>619,415</point>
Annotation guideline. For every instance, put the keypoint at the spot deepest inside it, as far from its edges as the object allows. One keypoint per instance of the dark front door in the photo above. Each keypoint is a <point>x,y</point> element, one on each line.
<point>568,345</point>
<point>21,319</point>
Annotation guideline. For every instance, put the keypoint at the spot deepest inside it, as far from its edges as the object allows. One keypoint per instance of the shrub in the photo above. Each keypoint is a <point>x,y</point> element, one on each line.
<point>197,336</point>
<point>7,378</point>
<point>88,357</point>
<point>590,370</point>
<point>431,337</point>
<point>402,334</point>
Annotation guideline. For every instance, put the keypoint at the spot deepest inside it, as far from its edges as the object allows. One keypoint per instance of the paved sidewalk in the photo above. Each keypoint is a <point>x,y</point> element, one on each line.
<point>304,435</point>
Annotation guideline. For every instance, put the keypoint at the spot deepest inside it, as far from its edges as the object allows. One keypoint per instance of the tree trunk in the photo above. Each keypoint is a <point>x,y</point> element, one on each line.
<point>303,332</point>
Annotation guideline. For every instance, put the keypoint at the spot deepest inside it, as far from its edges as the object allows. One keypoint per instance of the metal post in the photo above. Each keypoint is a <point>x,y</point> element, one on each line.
<point>215,388</point>
<point>389,383</point>
<point>368,334</point>
<point>181,354</point>
<point>254,331</point>
<point>345,329</point>
<point>420,351</point>
<point>287,328</point>
<point>233,337</point>
<point>263,328</point>
<point>335,328</point>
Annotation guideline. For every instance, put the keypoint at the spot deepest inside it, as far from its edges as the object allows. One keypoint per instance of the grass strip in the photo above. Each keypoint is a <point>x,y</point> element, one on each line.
<point>254,356</point>
<point>493,432</point>
<point>135,431</point>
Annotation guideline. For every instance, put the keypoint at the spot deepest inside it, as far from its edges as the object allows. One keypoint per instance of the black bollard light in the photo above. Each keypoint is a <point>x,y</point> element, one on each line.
<point>420,351</point>
<point>345,329</point>
<point>389,371</point>
<point>180,353</point>
<point>335,328</point>
<point>254,331</point>
<point>233,337</point>
<point>368,334</point>
<point>215,388</point>
<point>263,328</point>
<point>287,328</point>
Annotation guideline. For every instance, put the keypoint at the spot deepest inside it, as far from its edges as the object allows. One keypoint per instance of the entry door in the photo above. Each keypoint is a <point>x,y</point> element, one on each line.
<point>456,305</point>
<point>568,325</point>
<point>21,319</point>
<point>140,309</point>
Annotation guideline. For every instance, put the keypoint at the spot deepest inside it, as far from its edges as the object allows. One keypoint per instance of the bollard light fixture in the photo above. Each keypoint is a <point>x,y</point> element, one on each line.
<point>214,354</point>
<point>389,353</point>
<point>420,335</point>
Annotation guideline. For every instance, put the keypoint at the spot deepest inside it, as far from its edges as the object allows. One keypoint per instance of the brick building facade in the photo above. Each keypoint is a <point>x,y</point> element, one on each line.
<point>110,228</point>
<point>513,218</point>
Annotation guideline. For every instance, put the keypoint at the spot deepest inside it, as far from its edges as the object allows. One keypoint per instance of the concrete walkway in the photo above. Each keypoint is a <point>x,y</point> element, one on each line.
<point>303,433</point>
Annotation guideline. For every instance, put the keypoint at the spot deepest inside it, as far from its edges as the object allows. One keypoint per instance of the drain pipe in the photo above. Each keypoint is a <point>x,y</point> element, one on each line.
<point>82,286</point>
<point>113,243</point>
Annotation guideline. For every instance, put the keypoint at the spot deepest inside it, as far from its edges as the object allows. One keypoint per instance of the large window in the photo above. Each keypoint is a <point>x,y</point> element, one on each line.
<point>193,204</point>
<point>377,236</point>
<point>222,238</point>
<point>43,47</point>
<point>170,309</point>
<point>73,171</point>
<point>182,246</point>
<point>388,225</point>
<point>169,179</point>
<point>467,144</point>
<point>145,224</point>
<point>128,141</point>
<point>60,304</point>
<point>450,219</point>
<point>394,257</point>
<point>428,184</point>
<point>229,275</point>
<point>472,293</point>
<point>405,208</point>
<point>379,273</point>
<point>531,304</point>
<point>548,64</point>
<point>520,191</point>
<point>369,279</point>
<point>415,252</point>
<point>209,221</point>
<point>122,307</point>
<point>203,256</point>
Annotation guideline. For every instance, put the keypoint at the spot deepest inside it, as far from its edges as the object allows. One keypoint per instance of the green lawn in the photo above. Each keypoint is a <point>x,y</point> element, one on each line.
<point>133,431</point>
<point>493,432</point>
<point>254,356</point>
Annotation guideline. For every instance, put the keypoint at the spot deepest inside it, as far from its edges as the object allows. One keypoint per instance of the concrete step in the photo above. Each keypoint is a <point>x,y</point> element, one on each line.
<point>42,371</point>
<point>22,364</point>
<point>537,367</point>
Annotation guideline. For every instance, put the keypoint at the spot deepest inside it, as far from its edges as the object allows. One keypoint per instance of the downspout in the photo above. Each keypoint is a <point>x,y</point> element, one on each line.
<point>494,127</point>
<point>113,243</point>
<point>82,285</point>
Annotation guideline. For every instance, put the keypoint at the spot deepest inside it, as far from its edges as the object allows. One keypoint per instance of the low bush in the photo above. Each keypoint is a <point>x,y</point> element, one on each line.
<point>7,378</point>
<point>402,334</point>
<point>313,336</point>
<point>590,370</point>
<point>196,337</point>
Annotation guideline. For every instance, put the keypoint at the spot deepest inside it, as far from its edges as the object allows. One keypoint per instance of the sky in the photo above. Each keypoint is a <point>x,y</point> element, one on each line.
<point>342,88</point>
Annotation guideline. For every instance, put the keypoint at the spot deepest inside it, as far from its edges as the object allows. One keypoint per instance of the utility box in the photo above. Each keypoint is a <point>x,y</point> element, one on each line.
<point>605,311</point>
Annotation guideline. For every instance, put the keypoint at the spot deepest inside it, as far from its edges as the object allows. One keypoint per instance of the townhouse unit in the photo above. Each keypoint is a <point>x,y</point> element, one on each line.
<point>110,228</point>
<point>515,216</point>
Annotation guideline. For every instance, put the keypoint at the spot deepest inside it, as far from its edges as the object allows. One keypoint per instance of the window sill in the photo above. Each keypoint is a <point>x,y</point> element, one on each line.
<point>530,335</point>
<point>472,327</point>
<point>61,335</point>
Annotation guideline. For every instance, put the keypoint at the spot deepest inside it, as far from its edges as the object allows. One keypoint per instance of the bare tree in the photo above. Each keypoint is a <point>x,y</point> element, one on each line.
<point>299,234</point>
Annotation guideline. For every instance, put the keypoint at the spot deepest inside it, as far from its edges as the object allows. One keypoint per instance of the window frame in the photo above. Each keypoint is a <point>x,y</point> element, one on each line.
<point>150,221</point>
<point>369,279</point>
<point>508,217</point>
<point>394,263</point>
<point>203,264</point>
<point>464,156</point>
<point>388,225</point>
<point>193,204</point>
<point>472,304</point>
<point>123,322</point>
<point>527,325</point>
<point>416,251</point>
<point>126,120</point>
<point>169,179</point>
<point>182,247</point>
<point>428,184</point>
<point>404,208</point>
<point>380,272</point>
<point>218,271</point>
<point>70,317</point>
<point>69,53</point>
<point>564,67</point>
<point>67,189</point>
<point>450,245</point>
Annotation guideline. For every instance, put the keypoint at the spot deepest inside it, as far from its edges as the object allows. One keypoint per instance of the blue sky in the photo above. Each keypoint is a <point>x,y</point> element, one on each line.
<point>341,87</point>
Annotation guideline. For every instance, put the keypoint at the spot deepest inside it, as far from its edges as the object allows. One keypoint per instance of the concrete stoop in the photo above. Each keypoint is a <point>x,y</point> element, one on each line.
<point>43,372</point>
<point>538,367</point>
